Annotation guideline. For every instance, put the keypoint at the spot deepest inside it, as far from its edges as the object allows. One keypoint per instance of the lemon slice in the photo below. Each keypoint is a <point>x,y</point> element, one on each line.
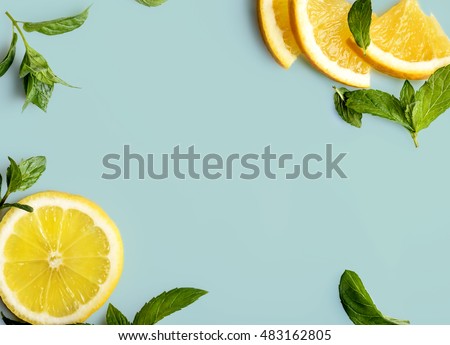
<point>408,44</point>
<point>60,263</point>
<point>322,32</point>
<point>275,27</point>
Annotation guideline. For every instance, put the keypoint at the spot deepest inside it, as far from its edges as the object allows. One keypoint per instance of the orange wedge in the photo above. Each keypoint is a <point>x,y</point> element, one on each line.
<point>408,44</point>
<point>275,27</point>
<point>322,32</point>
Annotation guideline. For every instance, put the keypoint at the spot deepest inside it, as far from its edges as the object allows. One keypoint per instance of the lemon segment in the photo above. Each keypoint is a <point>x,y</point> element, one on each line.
<point>275,27</point>
<point>60,263</point>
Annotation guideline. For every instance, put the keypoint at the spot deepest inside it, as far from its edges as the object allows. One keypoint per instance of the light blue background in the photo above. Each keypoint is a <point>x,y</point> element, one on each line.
<point>269,252</point>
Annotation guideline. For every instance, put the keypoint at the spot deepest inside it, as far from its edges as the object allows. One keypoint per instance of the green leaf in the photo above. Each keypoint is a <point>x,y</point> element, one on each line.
<point>8,321</point>
<point>358,304</point>
<point>35,64</point>
<point>9,58</point>
<point>359,21</point>
<point>37,92</point>
<point>165,304</point>
<point>347,114</point>
<point>432,99</point>
<point>115,317</point>
<point>20,206</point>
<point>58,26</point>
<point>407,94</point>
<point>13,176</point>
<point>151,3</point>
<point>378,103</point>
<point>408,99</point>
<point>31,169</point>
<point>20,177</point>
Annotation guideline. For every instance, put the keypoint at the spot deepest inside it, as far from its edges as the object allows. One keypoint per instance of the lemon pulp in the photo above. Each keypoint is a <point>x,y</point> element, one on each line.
<point>58,264</point>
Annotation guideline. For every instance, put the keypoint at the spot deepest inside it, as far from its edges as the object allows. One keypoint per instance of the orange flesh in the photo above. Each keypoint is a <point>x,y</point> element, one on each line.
<point>331,32</point>
<point>408,34</point>
<point>281,10</point>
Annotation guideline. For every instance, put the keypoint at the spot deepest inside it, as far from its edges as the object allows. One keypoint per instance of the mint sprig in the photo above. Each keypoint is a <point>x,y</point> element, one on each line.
<point>358,304</point>
<point>20,177</point>
<point>157,308</point>
<point>38,78</point>
<point>414,111</point>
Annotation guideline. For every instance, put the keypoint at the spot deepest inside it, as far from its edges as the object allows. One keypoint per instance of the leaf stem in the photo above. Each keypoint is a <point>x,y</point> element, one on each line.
<point>414,136</point>
<point>14,22</point>
<point>339,93</point>
<point>2,202</point>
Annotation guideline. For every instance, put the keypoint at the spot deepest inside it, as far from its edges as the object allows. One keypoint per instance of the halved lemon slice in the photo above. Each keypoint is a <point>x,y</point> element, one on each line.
<point>408,44</point>
<point>322,32</point>
<point>275,27</point>
<point>60,263</point>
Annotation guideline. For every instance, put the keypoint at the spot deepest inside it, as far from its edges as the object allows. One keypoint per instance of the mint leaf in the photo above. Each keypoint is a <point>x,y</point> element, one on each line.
<point>378,103</point>
<point>407,94</point>
<point>20,177</point>
<point>8,321</point>
<point>20,206</point>
<point>151,3</point>
<point>9,58</point>
<point>13,176</point>
<point>358,304</point>
<point>359,21</point>
<point>31,170</point>
<point>165,304</point>
<point>115,317</point>
<point>347,114</point>
<point>58,26</point>
<point>38,79</point>
<point>408,99</point>
<point>35,64</point>
<point>432,99</point>
<point>37,92</point>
